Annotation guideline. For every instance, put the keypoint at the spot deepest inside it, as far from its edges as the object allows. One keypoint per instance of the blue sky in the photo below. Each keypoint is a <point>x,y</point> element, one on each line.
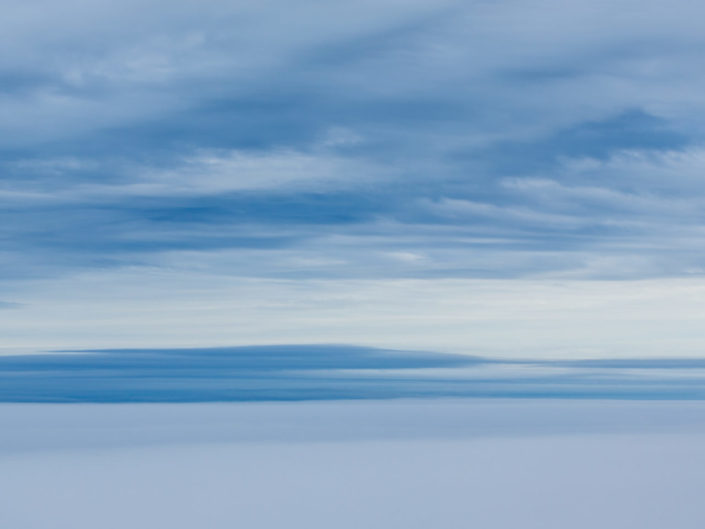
<point>503,179</point>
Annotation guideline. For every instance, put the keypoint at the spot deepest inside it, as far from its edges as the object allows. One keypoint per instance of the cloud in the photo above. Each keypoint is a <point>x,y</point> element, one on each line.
<point>214,173</point>
<point>379,142</point>
<point>144,62</point>
<point>188,301</point>
<point>328,372</point>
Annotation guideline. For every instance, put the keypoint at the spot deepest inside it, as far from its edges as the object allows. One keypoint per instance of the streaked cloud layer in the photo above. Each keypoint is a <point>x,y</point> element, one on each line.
<point>330,372</point>
<point>282,145</point>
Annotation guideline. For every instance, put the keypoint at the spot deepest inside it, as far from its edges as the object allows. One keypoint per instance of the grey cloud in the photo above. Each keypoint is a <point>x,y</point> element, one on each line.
<point>557,138</point>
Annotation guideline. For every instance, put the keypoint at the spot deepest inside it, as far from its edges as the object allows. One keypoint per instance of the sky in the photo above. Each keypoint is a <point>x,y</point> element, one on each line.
<point>499,179</point>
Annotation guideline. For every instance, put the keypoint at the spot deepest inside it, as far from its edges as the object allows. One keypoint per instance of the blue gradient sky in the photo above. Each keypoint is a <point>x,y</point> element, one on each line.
<point>504,179</point>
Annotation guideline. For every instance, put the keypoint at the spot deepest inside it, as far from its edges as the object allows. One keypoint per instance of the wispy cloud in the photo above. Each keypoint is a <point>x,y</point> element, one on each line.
<point>393,140</point>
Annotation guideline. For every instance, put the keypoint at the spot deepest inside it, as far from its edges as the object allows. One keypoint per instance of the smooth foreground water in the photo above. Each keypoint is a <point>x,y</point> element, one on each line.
<point>367,464</point>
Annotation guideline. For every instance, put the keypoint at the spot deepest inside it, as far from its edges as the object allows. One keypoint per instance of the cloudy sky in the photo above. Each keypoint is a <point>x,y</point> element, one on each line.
<point>504,179</point>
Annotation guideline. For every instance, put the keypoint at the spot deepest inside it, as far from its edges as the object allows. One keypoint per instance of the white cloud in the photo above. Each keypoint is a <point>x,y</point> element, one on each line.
<point>222,172</point>
<point>203,172</point>
<point>171,305</point>
<point>523,216</point>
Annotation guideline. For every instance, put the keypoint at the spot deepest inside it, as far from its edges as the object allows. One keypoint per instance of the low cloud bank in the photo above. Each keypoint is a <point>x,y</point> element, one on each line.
<point>330,372</point>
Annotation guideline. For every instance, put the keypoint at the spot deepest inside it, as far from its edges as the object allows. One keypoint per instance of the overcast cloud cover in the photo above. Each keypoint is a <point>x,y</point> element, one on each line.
<point>446,175</point>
